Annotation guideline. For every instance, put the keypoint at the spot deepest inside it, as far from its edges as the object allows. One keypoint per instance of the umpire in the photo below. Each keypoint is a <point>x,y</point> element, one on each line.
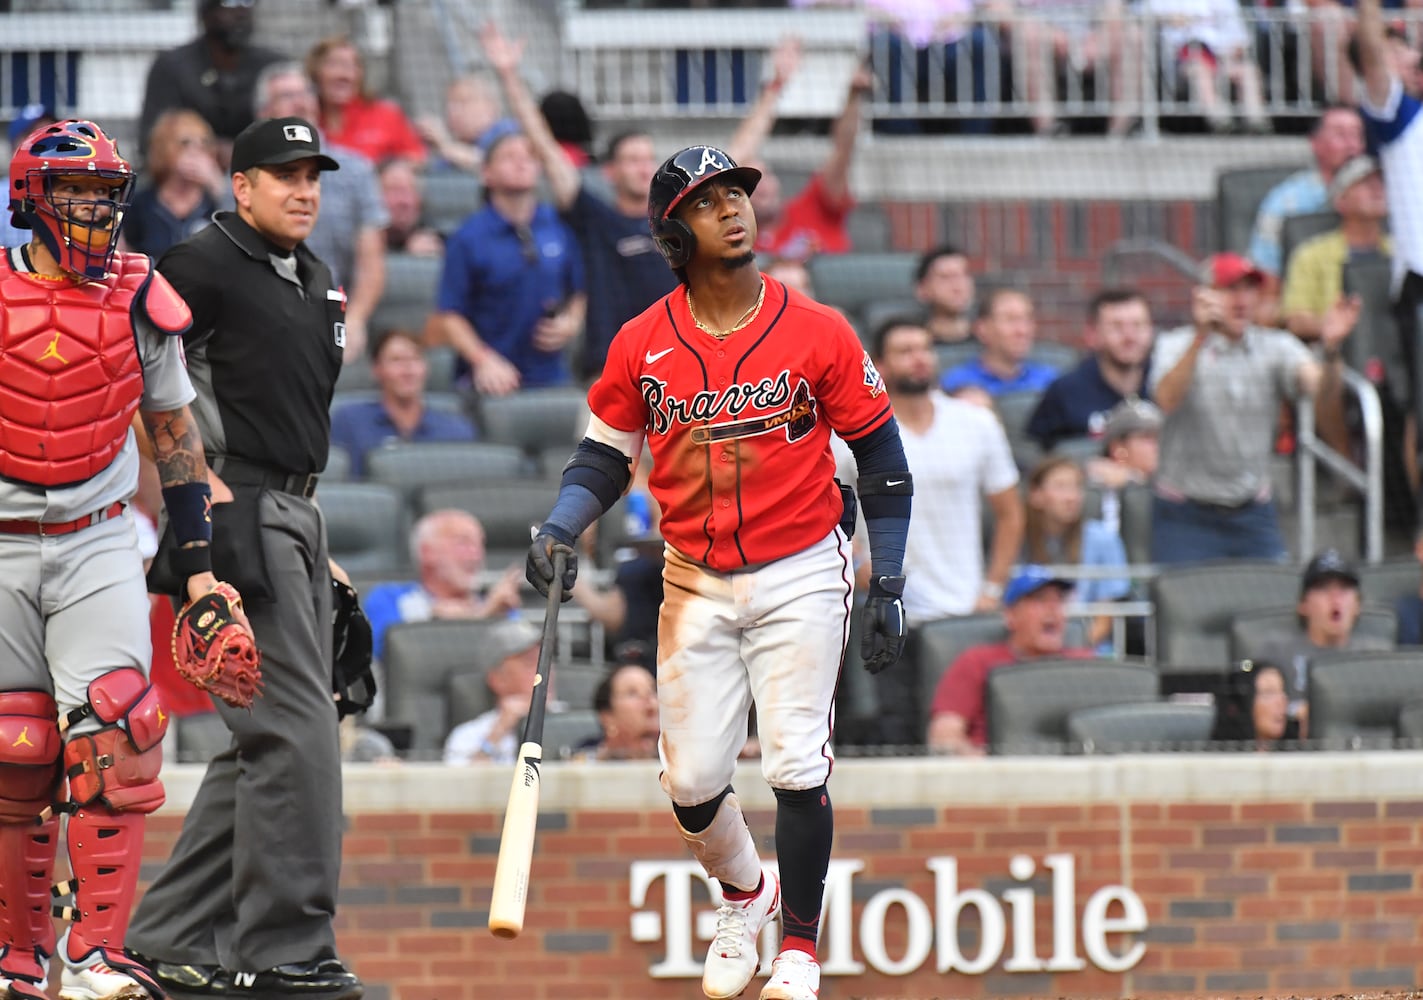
<point>245,904</point>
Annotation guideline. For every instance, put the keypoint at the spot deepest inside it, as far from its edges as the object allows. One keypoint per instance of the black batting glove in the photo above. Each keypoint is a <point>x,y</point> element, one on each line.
<point>882,626</point>
<point>538,568</point>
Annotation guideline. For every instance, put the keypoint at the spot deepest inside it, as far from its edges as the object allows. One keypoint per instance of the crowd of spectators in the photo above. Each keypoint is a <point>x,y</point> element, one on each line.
<point>531,291</point>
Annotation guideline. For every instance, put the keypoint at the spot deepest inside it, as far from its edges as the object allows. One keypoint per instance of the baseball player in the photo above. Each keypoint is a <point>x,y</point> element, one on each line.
<point>87,337</point>
<point>735,382</point>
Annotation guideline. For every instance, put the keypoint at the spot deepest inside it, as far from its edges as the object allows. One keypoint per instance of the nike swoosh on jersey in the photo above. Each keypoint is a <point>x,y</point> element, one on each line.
<point>649,357</point>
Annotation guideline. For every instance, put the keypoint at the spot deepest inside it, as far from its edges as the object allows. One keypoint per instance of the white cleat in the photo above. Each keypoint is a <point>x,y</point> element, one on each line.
<point>733,957</point>
<point>794,976</point>
<point>99,982</point>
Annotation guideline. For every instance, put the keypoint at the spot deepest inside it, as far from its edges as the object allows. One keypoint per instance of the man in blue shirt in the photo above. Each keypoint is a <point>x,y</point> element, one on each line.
<point>511,293</point>
<point>1006,329</point>
<point>626,274</point>
<point>399,368</point>
<point>1076,404</point>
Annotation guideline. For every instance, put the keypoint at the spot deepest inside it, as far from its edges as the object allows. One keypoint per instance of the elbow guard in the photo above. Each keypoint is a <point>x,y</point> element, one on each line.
<point>886,494</point>
<point>600,469</point>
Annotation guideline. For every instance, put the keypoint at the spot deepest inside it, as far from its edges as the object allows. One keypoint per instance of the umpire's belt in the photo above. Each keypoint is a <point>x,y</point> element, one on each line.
<point>240,472</point>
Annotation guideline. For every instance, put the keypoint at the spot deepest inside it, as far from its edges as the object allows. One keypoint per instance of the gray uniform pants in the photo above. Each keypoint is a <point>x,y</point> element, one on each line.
<point>252,881</point>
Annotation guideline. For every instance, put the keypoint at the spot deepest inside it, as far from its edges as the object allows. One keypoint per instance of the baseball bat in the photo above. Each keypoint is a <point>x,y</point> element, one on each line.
<point>516,843</point>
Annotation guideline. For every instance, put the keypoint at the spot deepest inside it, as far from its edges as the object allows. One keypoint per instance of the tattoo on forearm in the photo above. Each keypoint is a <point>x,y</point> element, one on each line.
<point>177,447</point>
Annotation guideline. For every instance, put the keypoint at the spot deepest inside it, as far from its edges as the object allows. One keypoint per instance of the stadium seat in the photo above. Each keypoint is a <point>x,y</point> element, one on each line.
<point>1388,581</point>
<point>565,732</point>
<point>1015,409</point>
<point>953,355</point>
<point>882,311</point>
<point>367,527</point>
<point>1355,698</point>
<point>449,197</point>
<point>938,644</point>
<point>440,367</point>
<point>1252,633</point>
<point>355,375</point>
<point>409,297</point>
<point>1147,726</point>
<point>1079,448</point>
<point>412,466</point>
<point>1196,604</point>
<point>507,511</point>
<point>1028,703</point>
<point>851,281</point>
<point>1297,229</point>
<point>1239,193</point>
<point>338,465</point>
<point>534,419</point>
<point>1135,517</point>
<point>869,228</point>
<point>449,402</point>
<point>1374,347</point>
<point>1410,722</point>
<point>421,659</point>
<point>1059,356</point>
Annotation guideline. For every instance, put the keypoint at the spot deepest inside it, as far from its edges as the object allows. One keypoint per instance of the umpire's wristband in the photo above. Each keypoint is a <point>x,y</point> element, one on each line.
<point>190,561</point>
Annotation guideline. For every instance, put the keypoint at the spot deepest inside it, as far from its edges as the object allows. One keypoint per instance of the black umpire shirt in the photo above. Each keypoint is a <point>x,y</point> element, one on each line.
<point>265,346</point>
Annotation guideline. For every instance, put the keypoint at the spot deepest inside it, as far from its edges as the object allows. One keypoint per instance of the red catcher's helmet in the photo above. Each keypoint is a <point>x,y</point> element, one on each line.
<point>685,171</point>
<point>72,148</point>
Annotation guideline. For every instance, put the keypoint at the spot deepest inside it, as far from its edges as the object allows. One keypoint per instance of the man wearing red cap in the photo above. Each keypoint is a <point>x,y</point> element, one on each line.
<point>1220,382</point>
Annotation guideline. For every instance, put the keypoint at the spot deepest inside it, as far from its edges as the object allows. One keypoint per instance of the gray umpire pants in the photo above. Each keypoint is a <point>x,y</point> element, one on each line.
<point>253,877</point>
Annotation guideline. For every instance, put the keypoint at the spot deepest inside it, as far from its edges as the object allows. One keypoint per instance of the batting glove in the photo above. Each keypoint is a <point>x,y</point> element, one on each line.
<point>538,568</point>
<point>882,627</point>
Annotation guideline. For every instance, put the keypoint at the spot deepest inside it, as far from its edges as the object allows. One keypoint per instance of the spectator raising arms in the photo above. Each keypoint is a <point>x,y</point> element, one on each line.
<point>350,117</point>
<point>186,184</point>
<point>471,108</point>
<point>511,292</point>
<point>626,274</point>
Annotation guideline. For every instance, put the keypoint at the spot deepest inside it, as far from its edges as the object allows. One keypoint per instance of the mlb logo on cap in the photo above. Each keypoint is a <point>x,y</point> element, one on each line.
<point>270,142</point>
<point>296,133</point>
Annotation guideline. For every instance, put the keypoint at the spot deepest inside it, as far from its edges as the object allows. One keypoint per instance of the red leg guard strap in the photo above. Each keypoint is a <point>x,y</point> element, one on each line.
<point>105,768</point>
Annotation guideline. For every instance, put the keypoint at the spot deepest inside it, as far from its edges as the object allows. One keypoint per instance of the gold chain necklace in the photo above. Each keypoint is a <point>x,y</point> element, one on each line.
<point>746,318</point>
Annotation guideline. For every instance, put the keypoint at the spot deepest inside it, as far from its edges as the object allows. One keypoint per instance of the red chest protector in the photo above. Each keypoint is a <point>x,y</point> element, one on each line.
<point>70,373</point>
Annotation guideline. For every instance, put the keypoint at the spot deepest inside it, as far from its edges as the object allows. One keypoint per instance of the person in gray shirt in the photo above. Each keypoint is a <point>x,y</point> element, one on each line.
<point>1220,383</point>
<point>350,231</point>
<point>1329,607</point>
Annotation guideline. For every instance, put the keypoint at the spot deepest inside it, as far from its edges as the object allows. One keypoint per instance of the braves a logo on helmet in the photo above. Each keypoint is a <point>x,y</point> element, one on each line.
<point>713,159</point>
<point>794,410</point>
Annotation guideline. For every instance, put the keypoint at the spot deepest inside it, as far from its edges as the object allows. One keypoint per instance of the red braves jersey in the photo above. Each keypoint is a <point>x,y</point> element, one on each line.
<point>739,429</point>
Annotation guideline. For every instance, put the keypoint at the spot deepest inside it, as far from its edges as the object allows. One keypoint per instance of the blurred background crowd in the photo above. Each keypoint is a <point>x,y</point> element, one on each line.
<point>1125,268</point>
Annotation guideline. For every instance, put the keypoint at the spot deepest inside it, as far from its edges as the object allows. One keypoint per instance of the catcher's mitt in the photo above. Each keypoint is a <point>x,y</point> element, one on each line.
<point>216,652</point>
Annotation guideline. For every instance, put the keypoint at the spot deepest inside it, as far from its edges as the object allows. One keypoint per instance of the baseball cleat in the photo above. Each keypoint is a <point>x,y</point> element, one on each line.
<point>794,976</point>
<point>99,982</point>
<point>733,956</point>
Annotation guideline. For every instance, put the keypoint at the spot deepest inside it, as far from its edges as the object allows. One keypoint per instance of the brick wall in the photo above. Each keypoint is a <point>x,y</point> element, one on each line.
<point>1056,249</point>
<point>1242,895</point>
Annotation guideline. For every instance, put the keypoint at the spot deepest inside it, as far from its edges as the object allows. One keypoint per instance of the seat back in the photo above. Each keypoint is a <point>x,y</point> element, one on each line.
<point>1135,514</point>
<point>506,510</point>
<point>367,527</point>
<point>413,466</point>
<point>449,197</point>
<point>937,645</point>
<point>1355,698</point>
<point>1374,347</point>
<point>1028,703</point>
<point>565,732</point>
<point>421,659</point>
<point>1389,581</point>
<point>1060,356</point>
<point>1254,632</point>
<point>1015,409</point>
<point>1194,606</point>
<point>338,465</point>
<point>534,419</point>
<point>409,296</point>
<point>1239,193</point>
<point>1159,725</point>
<point>850,281</point>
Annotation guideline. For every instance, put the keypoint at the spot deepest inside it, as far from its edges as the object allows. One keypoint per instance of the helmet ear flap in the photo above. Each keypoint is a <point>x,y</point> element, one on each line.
<point>674,238</point>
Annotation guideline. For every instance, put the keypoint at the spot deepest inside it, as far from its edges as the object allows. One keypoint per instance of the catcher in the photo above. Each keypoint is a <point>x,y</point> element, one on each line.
<point>89,337</point>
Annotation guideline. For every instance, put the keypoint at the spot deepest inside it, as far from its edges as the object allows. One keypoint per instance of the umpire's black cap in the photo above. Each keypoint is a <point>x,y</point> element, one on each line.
<point>272,141</point>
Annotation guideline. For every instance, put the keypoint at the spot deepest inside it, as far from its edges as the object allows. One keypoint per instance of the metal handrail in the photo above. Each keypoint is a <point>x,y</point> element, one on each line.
<point>1368,480</point>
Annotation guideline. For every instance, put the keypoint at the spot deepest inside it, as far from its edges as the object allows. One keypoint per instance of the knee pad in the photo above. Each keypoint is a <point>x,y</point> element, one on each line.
<point>117,765</point>
<point>30,749</point>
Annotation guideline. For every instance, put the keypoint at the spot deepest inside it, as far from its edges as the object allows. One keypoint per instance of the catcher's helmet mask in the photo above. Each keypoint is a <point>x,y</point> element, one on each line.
<point>72,148</point>
<point>684,172</point>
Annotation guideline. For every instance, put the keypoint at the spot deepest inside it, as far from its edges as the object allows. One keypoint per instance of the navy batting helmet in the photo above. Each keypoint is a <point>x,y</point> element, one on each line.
<point>683,173</point>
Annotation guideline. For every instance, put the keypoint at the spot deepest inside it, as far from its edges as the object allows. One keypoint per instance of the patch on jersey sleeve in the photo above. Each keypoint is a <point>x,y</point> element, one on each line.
<point>873,382</point>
